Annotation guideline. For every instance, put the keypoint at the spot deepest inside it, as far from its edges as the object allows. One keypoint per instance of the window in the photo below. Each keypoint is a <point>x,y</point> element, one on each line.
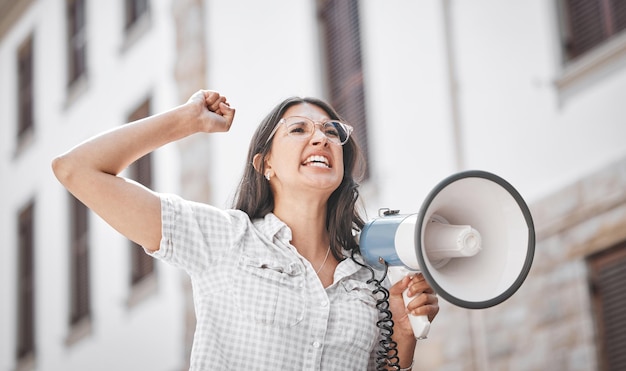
<point>607,278</point>
<point>340,23</point>
<point>80,303</point>
<point>26,284</point>
<point>135,9</point>
<point>142,265</point>
<point>77,41</point>
<point>25,89</point>
<point>589,23</point>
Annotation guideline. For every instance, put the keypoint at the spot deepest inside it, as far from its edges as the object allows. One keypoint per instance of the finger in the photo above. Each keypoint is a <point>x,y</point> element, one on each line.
<point>421,300</point>
<point>210,97</point>
<point>429,311</point>
<point>213,101</point>
<point>424,304</point>
<point>418,285</point>
<point>215,106</point>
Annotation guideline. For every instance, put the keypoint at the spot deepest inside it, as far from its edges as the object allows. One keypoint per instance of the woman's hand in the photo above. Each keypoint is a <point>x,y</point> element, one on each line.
<point>424,302</point>
<point>213,111</point>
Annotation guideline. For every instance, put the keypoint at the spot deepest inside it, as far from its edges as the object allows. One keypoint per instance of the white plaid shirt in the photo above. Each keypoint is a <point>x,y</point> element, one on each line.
<point>259,304</point>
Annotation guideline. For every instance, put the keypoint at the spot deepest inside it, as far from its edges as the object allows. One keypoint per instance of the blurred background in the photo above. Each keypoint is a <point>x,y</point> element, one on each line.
<point>533,91</point>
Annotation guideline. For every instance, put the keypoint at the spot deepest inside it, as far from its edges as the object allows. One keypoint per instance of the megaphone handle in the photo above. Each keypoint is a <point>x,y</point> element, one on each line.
<point>420,324</point>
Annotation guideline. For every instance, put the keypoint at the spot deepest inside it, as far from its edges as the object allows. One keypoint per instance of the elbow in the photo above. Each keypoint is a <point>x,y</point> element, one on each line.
<point>61,169</point>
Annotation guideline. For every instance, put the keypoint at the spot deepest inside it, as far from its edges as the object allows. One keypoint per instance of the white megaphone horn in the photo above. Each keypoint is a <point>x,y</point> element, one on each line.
<point>473,240</point>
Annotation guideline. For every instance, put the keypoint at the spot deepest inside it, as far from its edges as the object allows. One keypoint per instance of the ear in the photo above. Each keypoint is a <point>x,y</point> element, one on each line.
<point>256,162</point>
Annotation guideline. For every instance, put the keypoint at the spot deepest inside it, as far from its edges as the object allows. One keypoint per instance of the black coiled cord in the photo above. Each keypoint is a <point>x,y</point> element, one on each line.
<point>387,356</point>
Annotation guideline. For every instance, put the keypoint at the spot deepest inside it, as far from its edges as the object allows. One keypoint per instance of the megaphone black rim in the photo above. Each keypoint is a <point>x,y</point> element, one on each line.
<point>531,240</point>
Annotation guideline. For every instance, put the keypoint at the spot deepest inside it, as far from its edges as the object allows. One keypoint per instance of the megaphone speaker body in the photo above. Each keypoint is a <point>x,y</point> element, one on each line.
<point>473,239</point>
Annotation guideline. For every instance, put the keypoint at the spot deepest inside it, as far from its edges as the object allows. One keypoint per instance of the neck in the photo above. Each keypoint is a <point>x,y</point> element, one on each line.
<point>307,221</point>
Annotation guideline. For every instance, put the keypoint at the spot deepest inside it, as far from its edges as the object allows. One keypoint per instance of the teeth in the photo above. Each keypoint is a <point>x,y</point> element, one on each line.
<point>320,161</point>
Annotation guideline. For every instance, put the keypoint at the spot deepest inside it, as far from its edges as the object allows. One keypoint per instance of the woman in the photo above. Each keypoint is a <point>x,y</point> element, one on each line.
<point>278,282</point>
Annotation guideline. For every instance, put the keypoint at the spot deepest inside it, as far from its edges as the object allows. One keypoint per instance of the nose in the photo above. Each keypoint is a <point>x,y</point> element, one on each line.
<point>318,134</point>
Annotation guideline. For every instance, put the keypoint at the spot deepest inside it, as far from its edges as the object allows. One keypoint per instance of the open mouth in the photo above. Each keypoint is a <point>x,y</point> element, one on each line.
<point>317,161</point>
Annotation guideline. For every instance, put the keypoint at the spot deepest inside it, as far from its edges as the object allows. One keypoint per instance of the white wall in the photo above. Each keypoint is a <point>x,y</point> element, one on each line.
<point>259,52</point>
<point>149,335</point>
<point>514,121</point>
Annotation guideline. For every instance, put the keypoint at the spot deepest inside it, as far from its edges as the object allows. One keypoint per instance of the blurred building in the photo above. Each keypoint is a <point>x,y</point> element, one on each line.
<point>532,91</point>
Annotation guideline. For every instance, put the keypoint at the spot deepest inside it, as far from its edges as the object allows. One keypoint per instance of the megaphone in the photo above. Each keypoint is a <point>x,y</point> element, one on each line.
<point>473,239</point>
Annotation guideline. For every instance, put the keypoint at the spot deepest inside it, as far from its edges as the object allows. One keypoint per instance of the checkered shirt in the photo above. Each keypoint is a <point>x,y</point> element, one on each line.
<point>259,304</point>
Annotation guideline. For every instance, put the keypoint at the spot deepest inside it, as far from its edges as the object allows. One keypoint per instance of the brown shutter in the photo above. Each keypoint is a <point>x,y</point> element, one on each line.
<point>618,12</point>
<point>608,283</point>
<point>340,21</point>
<point>26,283</point>
<point>142,265</point>
<point>77,40</point>
<point>134,10</point>
<point>590,22</point>
<point>25,87</point>
<point>80,306</point>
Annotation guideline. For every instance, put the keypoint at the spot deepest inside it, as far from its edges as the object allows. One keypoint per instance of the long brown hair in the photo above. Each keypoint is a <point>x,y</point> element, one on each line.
<point>255,198</point>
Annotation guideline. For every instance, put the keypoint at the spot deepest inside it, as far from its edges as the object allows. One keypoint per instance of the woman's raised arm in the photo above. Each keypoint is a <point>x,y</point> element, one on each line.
<point>90,170</point>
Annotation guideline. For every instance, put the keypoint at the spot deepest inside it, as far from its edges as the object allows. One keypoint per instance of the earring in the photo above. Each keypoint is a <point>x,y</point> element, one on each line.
<point>268,175</point>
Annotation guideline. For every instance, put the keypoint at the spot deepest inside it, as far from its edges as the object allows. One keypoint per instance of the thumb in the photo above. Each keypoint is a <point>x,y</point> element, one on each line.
<point>399,287</point>
<point>227,112</point>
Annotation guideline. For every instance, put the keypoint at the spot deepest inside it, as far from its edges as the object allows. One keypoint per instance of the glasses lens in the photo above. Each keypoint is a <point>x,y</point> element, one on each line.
<point>299,127</point>
<point>336,131</point>
<point>303,128</point>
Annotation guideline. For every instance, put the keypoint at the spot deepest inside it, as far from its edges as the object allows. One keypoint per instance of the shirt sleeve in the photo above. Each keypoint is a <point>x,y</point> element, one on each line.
<point>193,234</point>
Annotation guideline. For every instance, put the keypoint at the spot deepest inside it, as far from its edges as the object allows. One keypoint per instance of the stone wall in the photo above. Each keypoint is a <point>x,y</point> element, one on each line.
<point>548,324</point>
<point>190,74</point>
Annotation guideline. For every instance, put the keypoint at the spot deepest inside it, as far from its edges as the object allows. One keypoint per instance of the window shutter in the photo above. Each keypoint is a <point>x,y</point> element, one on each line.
<point>340,19</point>
<point>134,10</point>
<point>77,40</point>
<point>618,12</point>
<point>142,265</point>
<point>25,86</point>
<point>26,283</point>
<point>80,292</point>
<point>591,22</point>
<point>608,277</point>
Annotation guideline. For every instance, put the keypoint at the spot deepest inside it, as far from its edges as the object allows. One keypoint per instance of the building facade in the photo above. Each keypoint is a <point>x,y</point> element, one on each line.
<point>531,91</point>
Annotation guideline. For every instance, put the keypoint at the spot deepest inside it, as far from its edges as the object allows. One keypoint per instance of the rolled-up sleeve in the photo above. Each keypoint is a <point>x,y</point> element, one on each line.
<point>193,234</point>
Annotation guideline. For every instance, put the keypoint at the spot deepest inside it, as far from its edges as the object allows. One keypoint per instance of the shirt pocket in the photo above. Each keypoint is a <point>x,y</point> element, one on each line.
<point>270,291</point>
<point>358,313</point>
<point>361,291</point>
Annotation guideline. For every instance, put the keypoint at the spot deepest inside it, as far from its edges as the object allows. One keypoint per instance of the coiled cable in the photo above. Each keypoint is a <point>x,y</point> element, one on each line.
<point>387,355</point>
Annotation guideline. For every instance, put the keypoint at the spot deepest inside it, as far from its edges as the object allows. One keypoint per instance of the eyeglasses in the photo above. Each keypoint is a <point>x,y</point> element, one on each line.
<point>302,128</point>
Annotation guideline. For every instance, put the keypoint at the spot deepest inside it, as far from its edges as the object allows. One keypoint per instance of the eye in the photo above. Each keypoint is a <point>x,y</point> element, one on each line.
<point>330,130</point>
<point>298,128</point>
<point>334,129</point>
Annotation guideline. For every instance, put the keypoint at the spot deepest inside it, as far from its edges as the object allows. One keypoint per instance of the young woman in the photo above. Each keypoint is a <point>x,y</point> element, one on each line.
<point>278,280</point>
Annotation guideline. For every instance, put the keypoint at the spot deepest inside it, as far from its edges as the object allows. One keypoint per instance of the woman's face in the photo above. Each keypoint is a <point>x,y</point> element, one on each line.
<point>313,164</point>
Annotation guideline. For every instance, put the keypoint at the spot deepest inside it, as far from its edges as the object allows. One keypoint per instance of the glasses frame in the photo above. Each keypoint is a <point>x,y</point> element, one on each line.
<point>283,121</point>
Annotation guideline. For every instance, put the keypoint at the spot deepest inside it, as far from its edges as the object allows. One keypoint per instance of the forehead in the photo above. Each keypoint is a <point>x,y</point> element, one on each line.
<point>306,110</point>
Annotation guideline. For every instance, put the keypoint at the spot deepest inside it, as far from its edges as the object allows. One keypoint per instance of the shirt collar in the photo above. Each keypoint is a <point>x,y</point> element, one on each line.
<point>272,227</point>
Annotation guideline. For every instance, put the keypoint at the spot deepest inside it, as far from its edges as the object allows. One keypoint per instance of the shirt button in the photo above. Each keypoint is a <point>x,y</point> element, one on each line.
<point>324,303</point>
<point>316,344</point>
